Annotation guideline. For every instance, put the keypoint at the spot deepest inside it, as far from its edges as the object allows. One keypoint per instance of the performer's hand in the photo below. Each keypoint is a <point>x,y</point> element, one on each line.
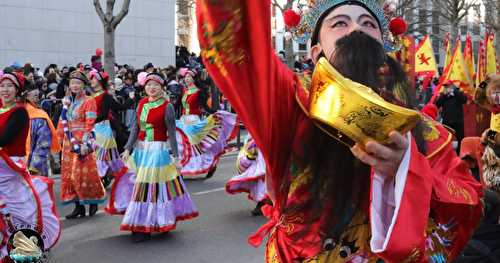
<point>84,149</point>
<point>484,137</point>
<point>66,101</point>
<point>384,159</point>
<point>178,165</point>
<point>125,155</point>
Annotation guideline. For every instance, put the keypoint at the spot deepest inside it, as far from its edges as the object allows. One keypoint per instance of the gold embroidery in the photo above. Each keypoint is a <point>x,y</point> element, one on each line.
<point>431,133</point>
<point>353,247</point>
<point>289,220</point>
<point>448,140</point>
<point>458,191</point>
<point>221,39</point>
<point>271,251</point>
<point>414,256</point>
<point>302,179</point>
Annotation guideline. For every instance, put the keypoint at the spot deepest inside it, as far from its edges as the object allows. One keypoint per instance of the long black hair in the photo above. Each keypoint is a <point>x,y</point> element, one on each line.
<point>340,183</point>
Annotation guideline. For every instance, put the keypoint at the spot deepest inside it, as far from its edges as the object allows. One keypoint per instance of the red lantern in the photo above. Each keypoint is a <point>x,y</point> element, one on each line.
<point>292,18</point>
<point>98,52</point>
<point>398,26</point>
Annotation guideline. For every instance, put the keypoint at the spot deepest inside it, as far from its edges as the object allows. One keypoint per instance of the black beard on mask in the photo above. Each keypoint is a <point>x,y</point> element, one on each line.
<point>339,179</point>
<point>359,57</point>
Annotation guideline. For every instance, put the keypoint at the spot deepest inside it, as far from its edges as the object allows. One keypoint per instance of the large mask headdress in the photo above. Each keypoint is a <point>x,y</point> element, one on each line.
<point>348,111</point>
<point>302,23</point>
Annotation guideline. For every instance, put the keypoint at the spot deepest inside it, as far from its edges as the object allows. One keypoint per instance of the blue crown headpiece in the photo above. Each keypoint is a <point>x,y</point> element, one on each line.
<point>312,13</point>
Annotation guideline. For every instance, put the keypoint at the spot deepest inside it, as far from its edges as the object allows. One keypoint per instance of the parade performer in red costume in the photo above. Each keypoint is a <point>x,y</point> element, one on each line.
<point>250,179</point>
<point>80,181</point>
<point>409,200</point>
<point>107,156</point>
<point>208,136</point>
<point>159,197</point>
<point>488,96</point>
<point>27,204</point>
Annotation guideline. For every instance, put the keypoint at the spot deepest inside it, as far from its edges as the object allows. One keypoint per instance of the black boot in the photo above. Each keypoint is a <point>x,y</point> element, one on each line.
<point>257,211</point>
<point>79,211</point>
<point>106,180</point>
<point>211,173</point>
<point>139,237</point>
<point>93,210</point>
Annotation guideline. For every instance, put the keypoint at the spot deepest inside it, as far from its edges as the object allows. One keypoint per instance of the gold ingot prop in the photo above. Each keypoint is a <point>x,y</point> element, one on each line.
<point>353,113</point>
<point>495,122</point>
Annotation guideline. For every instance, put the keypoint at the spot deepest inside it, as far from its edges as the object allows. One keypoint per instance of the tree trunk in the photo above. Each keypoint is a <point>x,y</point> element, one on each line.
<point>184,23</point>
<point>109,51</point>
<point>289,54</point>
<point>453,34</point>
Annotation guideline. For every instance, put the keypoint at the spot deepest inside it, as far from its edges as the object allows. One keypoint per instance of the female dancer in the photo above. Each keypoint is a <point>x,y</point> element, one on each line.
<point>208,137</point>
<point>27,203</point>
<point>159,197</point>
<point>106,151</point>
<point>42,140</point>
<point>250,179</point>
<point>80,182</point>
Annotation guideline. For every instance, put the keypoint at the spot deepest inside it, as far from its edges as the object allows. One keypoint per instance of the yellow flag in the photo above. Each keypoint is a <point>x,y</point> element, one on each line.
<point>447,49</point>
<point>457,72</point>
<point>481,64</point>
<point>469,57</point>
<point>491,60</point>
<point>425,63</point>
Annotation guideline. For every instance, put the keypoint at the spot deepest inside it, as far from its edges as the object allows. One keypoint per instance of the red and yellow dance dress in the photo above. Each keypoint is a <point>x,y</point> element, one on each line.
<point>80,181</point>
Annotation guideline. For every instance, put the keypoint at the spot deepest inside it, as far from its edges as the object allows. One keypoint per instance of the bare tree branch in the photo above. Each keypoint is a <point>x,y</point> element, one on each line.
<point>100,13</point>
<point>276,4</point>
<point>123,12</point>
<point>110,4</point>
<point>493,13</point>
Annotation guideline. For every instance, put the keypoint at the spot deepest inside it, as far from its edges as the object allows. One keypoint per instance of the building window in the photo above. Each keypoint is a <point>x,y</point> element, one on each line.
<point>303,47</point>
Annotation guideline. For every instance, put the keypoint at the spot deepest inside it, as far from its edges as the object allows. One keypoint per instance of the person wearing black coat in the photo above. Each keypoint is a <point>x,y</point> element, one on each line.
<point>451,102</point>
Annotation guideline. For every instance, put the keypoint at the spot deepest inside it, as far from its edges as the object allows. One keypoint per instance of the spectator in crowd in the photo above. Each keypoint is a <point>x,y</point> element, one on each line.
<point>149,68</point>
<point>451,101</point>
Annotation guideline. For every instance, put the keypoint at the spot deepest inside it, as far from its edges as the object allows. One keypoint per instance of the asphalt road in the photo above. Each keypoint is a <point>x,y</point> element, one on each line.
<point>219,234</point>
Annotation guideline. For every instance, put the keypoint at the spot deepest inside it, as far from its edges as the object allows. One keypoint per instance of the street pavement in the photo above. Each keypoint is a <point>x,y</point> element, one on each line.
<point>219,234</point>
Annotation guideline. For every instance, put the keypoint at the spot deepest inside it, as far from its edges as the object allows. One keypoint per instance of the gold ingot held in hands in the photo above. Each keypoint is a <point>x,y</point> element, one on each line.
<point>353,113</point>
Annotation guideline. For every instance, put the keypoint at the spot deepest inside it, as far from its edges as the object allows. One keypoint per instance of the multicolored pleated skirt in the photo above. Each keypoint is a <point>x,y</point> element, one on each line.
<point>159,197</point>
<point>30,202</point>
<point>106,151</point>
<point>208,139</point>
<point>251,173</point>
